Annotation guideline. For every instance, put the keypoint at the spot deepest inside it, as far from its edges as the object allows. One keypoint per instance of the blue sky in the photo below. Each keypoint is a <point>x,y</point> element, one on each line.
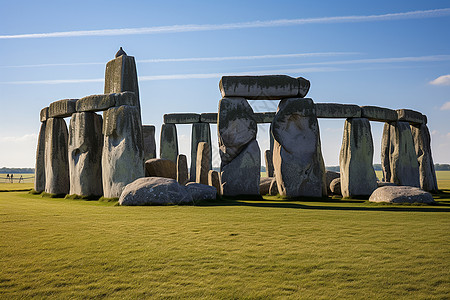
<point>394,54</point>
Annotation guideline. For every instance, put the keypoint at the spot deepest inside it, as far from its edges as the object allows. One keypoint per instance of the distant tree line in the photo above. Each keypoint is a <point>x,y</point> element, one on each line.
<point>16,170</point>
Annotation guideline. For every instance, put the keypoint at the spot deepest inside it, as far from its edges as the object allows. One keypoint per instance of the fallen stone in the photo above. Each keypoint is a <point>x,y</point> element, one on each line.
<point>181,118</point>
<point>273,188</point>
<point>39,170</point>
<point>208,118</point>
<point>297,156</point>
<point>401,194</point>
<point>411,116</point>
<point>122,157</point>
<point>356,159</point>
<point>149,143</point>
<point>381,114</point>
<point>85,154</point>
<point>335,186</point>
<point>268,87</point>
<point>241,176</point>
<point>201,132</point>
<point>264,117</point>
<point>422,143</point>
<point>268,156</point>
<point>62,108</point>
<point>264,185</point>
<point>121,76</point>
<point>203,163</point>
<point>201,192</point>
<point>160,167</point>
<point>214,180</point>
<point>168,146</point>
<point>336,110</point>
<point>154,191</point>
<point>56,158</point>
<point>182,169</point>
<point>43,116</point>
<point>329,177</point>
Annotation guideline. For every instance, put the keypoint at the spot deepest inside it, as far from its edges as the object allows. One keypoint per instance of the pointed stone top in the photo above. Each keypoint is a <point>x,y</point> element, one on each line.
<point>120,52</point>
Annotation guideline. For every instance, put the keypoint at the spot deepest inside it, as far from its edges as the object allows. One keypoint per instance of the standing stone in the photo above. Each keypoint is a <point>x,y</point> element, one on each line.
<point>85,154</point>
<point>56,158</point>
<point>39,170</point>
<point>214,180</point>
<point>356,159</point>
<point>203,163</point>
<point>422,143</point>
<point>182,169</point>
<point>148,137</point>
<point>269,162</point>
<point>297,156</point>
<point>201,132</point>
<point>385,150</point>
<point>122,157</point>
<point>168,146</point>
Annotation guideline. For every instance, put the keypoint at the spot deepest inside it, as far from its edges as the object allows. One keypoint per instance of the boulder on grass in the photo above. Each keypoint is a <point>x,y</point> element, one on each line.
<point>401,194</point>
<point>154,191</point>
<point>201,192</point>
<point>160,167</point>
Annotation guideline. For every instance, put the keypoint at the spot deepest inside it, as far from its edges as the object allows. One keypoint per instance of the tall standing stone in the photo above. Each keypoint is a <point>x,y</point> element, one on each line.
<point>148,137</point>
<point>56,157</point>
<point>39,170</point>
<point>168,145</point>
<point>356,159</point>
<point>297,156</point>
<point>422,143</point>
<point>122,157</point>
<point>203,163</point>
<point>385,150</point>
<point>182,169</point>
<point>268,156</point>
<point>85,154</point>
<point>201,132</point>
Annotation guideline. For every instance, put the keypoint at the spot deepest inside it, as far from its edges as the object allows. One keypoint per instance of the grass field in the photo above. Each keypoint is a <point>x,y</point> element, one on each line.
<point>60,248</point>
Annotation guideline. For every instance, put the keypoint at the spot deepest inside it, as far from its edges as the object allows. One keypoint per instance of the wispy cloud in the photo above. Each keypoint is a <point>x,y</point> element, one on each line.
<point>441,80</point>
<point>19,139</point>
<point>433,13</point>
<point>446,106</point>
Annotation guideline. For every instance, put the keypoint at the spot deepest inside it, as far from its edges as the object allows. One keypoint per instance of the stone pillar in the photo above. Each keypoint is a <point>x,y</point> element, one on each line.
<point>39,170</point>
<point>201,132</point>
<point>168,145</point>
<point>182,169</point>
<point>239,151</point>
<point>85,154</point>
<point>399,155</point>
<point>56,157</point>
<point>122,157</point>
<point>268,156</point>
<point>148,137</point>
<point>422,143</point>
<point>203,163</point>
<point>214,180</point>
<point>356,159</point>
<point>385,150</point>
<point>297,154</point>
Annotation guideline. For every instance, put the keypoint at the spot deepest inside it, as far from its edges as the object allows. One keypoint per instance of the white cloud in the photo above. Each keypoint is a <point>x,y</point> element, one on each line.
<point>254,24</point>
<point>435,132</point>
<point>441,80</point>
<point>19,139</point>
<point>446,106</point>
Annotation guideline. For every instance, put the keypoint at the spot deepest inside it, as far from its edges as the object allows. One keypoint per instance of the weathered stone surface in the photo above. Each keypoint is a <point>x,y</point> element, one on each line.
<point>264,185</point>
<point>168,145</point>
<point>411,116</point>
<point>182,169</point>
<point>85,154</point>
<point>208,118</point>
<point>268,155</point>
<point>381,114</point>
<point>214,180</point>
<point>200,192</point>
<point>181,118</point>
<point>102,102</point>
<point>422,143</point>
<point>385,152</point>
<point>160,167</point>
<point>336,110</point>
<point>203,163</point>
<point>356,159</point>
<point>269,87</point>
<point>329,177</point>
<point>273,188</point>
<point>122,157</point>
<point>148,136</point>
<point>56,158</point>
<point>154,191</point>
<point>236,127</point>
<point>401,194</point>
<point>241,176</point>
<point>201,132</point>
<point>121,76</point>
<point>264,117</point>
<point>43,115</point>
<point>62,108</point>
<point>402,158</point>
<point>335,186</point>
<point>297,156</point>
<point>39,170</point>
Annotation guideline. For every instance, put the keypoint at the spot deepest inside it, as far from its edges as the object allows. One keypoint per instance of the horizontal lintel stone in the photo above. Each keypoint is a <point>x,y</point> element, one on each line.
<point>264,117</point>
<point>381,114</point>
<point>181,118</point>
<point>44,114</point>
<point>62,108</point>
<point>337,110</point>
<point>105,101</point>
<point>208,117</point>
<point>411,116</point>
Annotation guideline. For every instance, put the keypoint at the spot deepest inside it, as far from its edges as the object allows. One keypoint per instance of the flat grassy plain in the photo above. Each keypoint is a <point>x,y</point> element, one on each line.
<point>328,248</point>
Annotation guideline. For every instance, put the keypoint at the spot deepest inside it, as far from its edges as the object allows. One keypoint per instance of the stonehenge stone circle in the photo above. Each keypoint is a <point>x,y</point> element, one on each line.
<point>200,192</point>
<point>203,163</point>
<point>148,139</point>
<point>56,157</point>
<point>85,154</point>
<point>422,143</point>
<point>39,170</point>
<point>201,132</point>
<point>182,169</point>
<point>356,159</point>
<point>168,146</point>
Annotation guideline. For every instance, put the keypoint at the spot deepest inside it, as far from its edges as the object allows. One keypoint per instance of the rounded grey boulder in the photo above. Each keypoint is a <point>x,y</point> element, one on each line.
<point>401,194</point>
<point>201,192</point>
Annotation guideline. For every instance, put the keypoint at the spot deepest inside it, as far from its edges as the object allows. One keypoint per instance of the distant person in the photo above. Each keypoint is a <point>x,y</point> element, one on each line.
<point>11,178</point>
<point>21,179</point>
<point>7,177</point>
